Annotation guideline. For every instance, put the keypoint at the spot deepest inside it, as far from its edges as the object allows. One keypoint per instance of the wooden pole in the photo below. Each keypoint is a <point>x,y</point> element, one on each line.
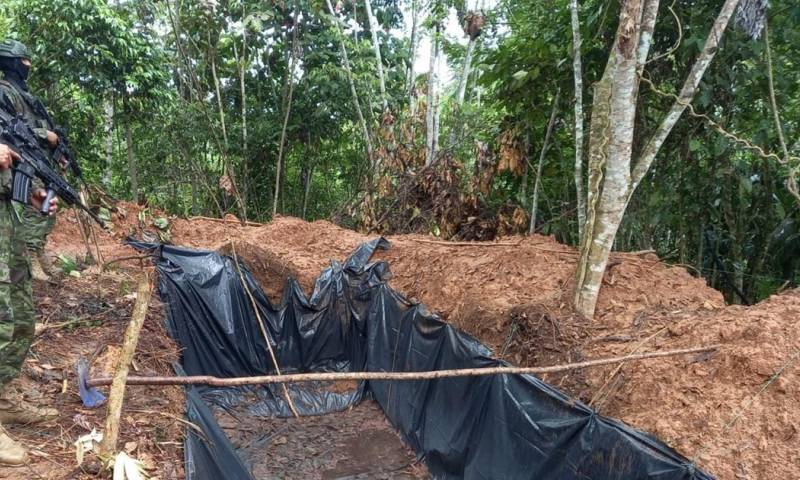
<point>393,376</point>
<point>118,382</point>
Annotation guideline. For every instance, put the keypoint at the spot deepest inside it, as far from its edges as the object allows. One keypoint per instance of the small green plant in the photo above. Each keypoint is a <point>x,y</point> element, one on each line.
<point>125,288</point>
<point>68,265</point>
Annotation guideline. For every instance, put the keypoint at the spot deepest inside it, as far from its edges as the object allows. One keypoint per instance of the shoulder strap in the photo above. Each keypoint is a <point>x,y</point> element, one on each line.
<point>6,103</point>
<point>38,107</point>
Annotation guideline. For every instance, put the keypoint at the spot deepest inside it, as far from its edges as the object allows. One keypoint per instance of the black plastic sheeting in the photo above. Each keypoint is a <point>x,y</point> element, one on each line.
<point>493,427</point>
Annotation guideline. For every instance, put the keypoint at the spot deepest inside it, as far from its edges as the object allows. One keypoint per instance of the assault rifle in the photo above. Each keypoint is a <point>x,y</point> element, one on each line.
<point>34,162</point>
<point>63,150</point>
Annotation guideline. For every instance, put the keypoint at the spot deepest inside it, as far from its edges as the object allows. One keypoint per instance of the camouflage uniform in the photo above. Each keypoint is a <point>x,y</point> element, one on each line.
<point>17,315</point>
<point>21,227</point>
<point>35,227</point>
<point>17,224</point>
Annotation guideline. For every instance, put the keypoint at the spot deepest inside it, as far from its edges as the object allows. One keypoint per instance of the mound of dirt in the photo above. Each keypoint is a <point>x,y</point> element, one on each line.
<point>712,407</point>
<point>514,295</point>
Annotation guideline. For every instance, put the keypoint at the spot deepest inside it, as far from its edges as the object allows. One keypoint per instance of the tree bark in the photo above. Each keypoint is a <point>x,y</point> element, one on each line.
<point>349,71</point>
<point>432,107</point>
<point>395,376</point>
<point>545,147</point>
<point>611,148</point>
<point>577,70</point>
<point>462,84</point>
<point>411,80</point>
<point>143,294</point>
<point>437,114</point>
<point>376,46</point>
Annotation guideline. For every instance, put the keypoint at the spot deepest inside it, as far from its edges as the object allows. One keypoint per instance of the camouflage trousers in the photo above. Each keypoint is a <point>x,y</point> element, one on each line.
<point>35,227</point>
<point>17,315</point>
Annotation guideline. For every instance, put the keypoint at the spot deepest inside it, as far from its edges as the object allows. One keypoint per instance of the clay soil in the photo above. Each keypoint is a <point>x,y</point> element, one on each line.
<point>514,296</point>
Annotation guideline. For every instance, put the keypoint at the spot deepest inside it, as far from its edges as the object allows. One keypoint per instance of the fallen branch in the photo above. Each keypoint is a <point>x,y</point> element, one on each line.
<point>131,339</point>
<point>392,376</point>
<point>225,220</point>
<point>641,253</point>
<point>127,257</point>
<point>41,328</point>
<point>467,244</point>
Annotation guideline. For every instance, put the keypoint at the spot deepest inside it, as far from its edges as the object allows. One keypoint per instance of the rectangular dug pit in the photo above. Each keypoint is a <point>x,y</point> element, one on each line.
<point>492,427</point>
<point>358,443</point>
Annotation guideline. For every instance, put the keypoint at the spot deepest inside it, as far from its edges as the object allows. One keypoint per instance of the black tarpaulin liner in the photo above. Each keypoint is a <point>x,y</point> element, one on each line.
<point>493,427</point>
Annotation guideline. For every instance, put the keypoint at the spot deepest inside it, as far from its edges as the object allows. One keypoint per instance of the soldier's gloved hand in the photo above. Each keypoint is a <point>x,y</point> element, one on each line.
<point>7,157</point>
<point>38,197</point>
<point>52,138</point>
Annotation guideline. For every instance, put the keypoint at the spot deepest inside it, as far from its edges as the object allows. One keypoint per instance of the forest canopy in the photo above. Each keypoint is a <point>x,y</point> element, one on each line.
<point>450,117</point>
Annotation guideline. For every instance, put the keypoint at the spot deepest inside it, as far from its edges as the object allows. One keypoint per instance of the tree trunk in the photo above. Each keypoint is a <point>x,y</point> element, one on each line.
<point>538,180</point>
<point>523,188</point>
<point>307,189</point>
<point>437,114</point>
<point>411,80</point>
<point>227,167</point>
<point>133,169</point>
<point>218,90</point>
<point>688,92</point>
<point>577,74</point>
<point>109,140</point>
<point>701,237</point>
<point>462,84</point>
<point>432,107</point>
<point>195,209</point>
<point>288,105</point>
<point>245,161</point>
<point>611,135</point>
<point>376,46</point>
<point>349,71</point>
<point>610,156</point>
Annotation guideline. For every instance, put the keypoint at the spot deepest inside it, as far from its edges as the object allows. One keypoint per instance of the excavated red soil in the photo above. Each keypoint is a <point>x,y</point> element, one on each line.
<point>514,296</point>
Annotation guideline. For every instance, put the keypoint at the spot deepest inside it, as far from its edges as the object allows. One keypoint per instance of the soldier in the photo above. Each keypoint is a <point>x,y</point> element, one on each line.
<point>17,315</point>
<point>15,64</point>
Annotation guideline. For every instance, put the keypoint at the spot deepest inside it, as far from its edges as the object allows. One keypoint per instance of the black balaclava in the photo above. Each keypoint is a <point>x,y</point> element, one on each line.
<point>15,72</point>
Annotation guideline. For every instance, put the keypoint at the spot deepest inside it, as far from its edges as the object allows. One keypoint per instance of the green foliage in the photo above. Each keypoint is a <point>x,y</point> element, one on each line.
<point>67,264</point>
<point>180,95</point>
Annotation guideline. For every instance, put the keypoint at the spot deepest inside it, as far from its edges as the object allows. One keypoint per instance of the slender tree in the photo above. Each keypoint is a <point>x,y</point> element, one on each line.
<point>287,107</point>
<point>612,181</point>
<point>356,103</point>
<point>545,146</point>
<point>432,104</point>
<point>578,80</point>
<point>376,47</point>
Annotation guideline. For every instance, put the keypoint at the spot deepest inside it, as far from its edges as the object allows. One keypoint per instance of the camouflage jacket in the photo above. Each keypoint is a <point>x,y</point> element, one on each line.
<point>34,226</point>
<point>30,108</point>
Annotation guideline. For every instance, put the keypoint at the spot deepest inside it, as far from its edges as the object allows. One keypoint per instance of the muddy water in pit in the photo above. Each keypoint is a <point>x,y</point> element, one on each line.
<point>355,444</point>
